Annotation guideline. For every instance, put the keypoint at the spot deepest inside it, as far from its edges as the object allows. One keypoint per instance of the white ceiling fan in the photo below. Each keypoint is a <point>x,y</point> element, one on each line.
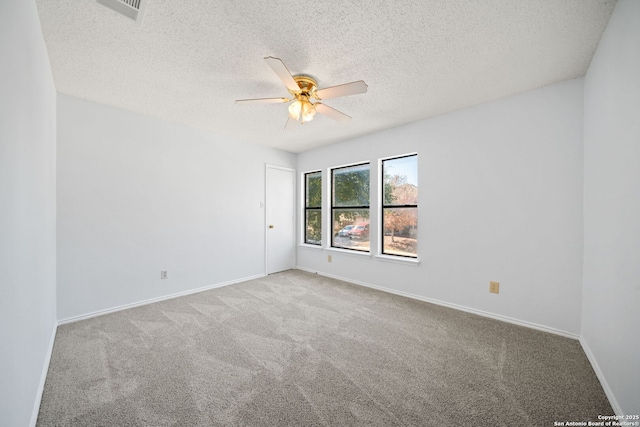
<point>306,95</point>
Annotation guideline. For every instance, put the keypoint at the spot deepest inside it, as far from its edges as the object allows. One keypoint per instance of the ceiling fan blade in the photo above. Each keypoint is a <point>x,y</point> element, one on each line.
<point>283,72</point>
<point>352,88</point>
<point>262,101</point>
<point>332,113</point>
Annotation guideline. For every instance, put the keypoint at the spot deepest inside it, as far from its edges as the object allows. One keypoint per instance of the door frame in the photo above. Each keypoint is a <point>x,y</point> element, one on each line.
<point>269,166</point>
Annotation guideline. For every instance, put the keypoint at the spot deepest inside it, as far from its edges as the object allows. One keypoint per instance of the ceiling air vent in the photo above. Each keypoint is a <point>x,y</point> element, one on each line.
<point>130,8</point>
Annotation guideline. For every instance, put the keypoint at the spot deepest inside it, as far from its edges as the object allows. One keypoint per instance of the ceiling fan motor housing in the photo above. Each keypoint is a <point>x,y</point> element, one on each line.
<point>307,86</point>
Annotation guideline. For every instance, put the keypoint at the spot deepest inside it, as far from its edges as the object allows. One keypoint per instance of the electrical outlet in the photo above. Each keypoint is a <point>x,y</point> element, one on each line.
<point>163,274</point>
<point>328,258</point>
<point>494,287</point>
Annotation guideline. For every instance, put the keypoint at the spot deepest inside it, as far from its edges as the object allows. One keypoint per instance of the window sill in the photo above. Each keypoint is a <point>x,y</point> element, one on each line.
<point>399,260</point>
<point>355,253</point>
<point>309,246</point>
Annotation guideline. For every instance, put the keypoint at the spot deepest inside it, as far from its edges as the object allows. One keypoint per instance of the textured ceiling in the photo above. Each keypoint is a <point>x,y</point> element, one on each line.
<point>188,61</point>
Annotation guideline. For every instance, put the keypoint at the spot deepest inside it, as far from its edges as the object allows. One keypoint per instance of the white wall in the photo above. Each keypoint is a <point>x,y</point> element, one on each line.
<point>27,212</point>
<point>137,195</point>
<point>611,303</point>
<point>500,199</point>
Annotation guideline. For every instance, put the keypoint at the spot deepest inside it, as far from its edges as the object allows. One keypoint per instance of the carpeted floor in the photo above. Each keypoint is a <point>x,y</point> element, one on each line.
<point>301,349</point>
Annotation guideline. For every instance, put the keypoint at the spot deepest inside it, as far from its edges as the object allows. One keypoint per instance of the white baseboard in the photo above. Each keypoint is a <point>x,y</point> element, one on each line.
<point>603,381</point>
<point>450,305</point>
<point>152,300</point>
<point>43,378</point>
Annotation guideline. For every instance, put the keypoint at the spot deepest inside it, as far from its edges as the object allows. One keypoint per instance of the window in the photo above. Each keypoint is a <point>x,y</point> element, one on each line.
<point>313,208</point>
<point>350,207</point>
<point>400,206</point>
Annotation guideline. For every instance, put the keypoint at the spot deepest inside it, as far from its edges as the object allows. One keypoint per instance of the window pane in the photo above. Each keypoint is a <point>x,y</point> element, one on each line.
<point>351,229</point>
<point>313,208</point>
<point>400,181</point>
<point>314,190</point>
<point>351,186</point>
<point>313,227</point>
<point>400,231</point>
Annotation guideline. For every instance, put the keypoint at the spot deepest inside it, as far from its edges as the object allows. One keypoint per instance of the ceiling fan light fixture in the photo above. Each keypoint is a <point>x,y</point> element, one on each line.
<point>294,110</point>
<point>308,111</point>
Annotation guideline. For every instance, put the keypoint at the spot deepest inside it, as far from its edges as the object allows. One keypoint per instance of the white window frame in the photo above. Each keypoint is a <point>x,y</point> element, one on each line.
<point>380,232</point>
<point>329,231</point>
<point>303,208</point>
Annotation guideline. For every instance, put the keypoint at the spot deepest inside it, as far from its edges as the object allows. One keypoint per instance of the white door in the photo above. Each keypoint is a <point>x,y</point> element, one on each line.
<point>280,200</point>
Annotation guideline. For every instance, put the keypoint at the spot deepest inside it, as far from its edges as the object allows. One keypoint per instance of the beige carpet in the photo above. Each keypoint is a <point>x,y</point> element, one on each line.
<point>300,349</point>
